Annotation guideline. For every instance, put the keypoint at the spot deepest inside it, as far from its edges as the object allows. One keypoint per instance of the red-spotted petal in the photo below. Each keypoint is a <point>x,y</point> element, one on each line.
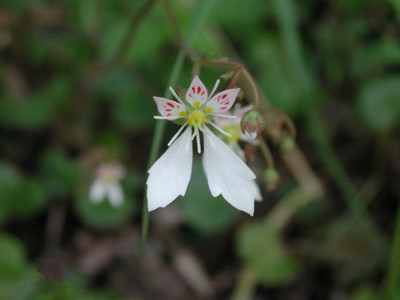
<point>169,108</point>
<point>197,93</point>
<point>222,102</point>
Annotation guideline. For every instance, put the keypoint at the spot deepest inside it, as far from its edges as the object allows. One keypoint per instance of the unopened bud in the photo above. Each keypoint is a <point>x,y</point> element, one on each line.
<point>287,144</point>
<point>270,178</point>
<point>251,123</point>
<point>228,75</point>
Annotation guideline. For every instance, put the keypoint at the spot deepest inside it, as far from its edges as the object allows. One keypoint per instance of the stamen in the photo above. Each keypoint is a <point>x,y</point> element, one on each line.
<point>219,129</point>
<point>198,143</point>
<point>176,135</point>
<point>176,95</point>
<point>225,116</point>
<point>214,88</point>
<point>166,118</point>
<point>194,133</point>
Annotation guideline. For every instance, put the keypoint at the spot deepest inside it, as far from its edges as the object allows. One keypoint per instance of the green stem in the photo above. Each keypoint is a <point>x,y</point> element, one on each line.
<point>201,13</point>
<point>393,274</point>
<point>133,27</point>
<point>247,283</point>
<point>237,65</point>
<point>328,156</point>
<point>285,11</point>
<point>267,153</point>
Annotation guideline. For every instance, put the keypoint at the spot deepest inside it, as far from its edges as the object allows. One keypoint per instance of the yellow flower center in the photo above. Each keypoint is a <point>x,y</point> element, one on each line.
<point>196,118</point>
<point>109,176</point>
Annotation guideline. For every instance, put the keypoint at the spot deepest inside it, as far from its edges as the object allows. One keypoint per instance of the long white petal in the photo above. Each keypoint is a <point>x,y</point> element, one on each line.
<point>227,174</point>
<point>256,192</point>
<point>170,174</point>
<point>97,191</point>
<point>115,194</point>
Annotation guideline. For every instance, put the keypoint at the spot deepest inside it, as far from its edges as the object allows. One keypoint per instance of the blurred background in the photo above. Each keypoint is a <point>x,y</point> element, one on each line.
<point>76,84</point>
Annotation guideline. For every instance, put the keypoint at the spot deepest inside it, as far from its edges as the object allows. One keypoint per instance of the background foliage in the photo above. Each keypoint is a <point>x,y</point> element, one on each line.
<point>76,84</point>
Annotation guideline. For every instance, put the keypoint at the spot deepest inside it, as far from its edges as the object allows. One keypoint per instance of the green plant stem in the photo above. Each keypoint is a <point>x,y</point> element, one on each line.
<point>133,27</point>
<point>393,274</point>
<point>178,33</point>
<point>285,11</point>
<point>201,13</point>
<point>328,156</point>
<point>247,283</point>
<point>236,65</point>
<point>267,154</point>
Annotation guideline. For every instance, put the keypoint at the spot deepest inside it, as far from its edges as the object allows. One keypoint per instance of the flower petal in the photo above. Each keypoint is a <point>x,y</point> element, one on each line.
<point>222,122</point>
<point>169,108</point>
<point>197,93</point>
<point>97,191</point>
<point>256,192</point>
<point>222,101</point>
<point>115,194</point>
<point>227,174</point>
<point>242,110</point>
<point>170,174</point>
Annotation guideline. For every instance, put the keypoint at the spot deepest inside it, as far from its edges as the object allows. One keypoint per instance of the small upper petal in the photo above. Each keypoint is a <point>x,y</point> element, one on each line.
<point>222,101</point>
<point>170,174</point>
<point>197,93</point>
<point>227,174</point>
<point>169,108</point>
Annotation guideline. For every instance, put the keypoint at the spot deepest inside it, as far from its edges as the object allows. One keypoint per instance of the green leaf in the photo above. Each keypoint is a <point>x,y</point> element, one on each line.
<point>18,280</point>
<point>365,292</point>
<point>203,212</point>
<point>261,250</point>
<point>38,109</point>
<point>103,215</point>
<point>353,248</point>
<point>378,104</point>
<point>132,110</point>
<point>274,77</point>
<point>20,196</point>
<point>61,173</point>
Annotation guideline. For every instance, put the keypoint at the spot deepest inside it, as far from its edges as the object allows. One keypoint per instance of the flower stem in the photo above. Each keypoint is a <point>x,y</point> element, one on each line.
<point>134,25</point>
<point>247,283</point>
<point>321,141</point>
<point>267,154</point>
<point>236,65</point>
<point>200,14</point>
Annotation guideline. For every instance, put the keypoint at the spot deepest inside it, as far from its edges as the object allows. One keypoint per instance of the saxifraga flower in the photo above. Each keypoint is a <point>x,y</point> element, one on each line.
<point>107,184</point>
<point>226,173</point>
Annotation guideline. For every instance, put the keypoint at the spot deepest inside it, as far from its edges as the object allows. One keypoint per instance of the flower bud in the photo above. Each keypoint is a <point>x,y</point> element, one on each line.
<point>251,123</point>
<point>271,178</point>
<point>287,144</point>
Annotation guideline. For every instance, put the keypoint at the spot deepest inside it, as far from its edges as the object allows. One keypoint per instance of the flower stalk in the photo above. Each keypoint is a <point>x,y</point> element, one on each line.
<point>235,65</point>
<point>201,13</point>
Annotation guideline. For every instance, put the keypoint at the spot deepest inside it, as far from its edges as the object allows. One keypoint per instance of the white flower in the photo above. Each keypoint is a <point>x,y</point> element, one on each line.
<point>106,184</point>
<point>232,126</point>
<point>226,173</point>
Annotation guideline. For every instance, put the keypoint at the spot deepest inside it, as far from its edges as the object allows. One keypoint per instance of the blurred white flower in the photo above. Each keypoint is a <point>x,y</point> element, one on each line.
<point>226,173</point>
<point>107,184</point>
